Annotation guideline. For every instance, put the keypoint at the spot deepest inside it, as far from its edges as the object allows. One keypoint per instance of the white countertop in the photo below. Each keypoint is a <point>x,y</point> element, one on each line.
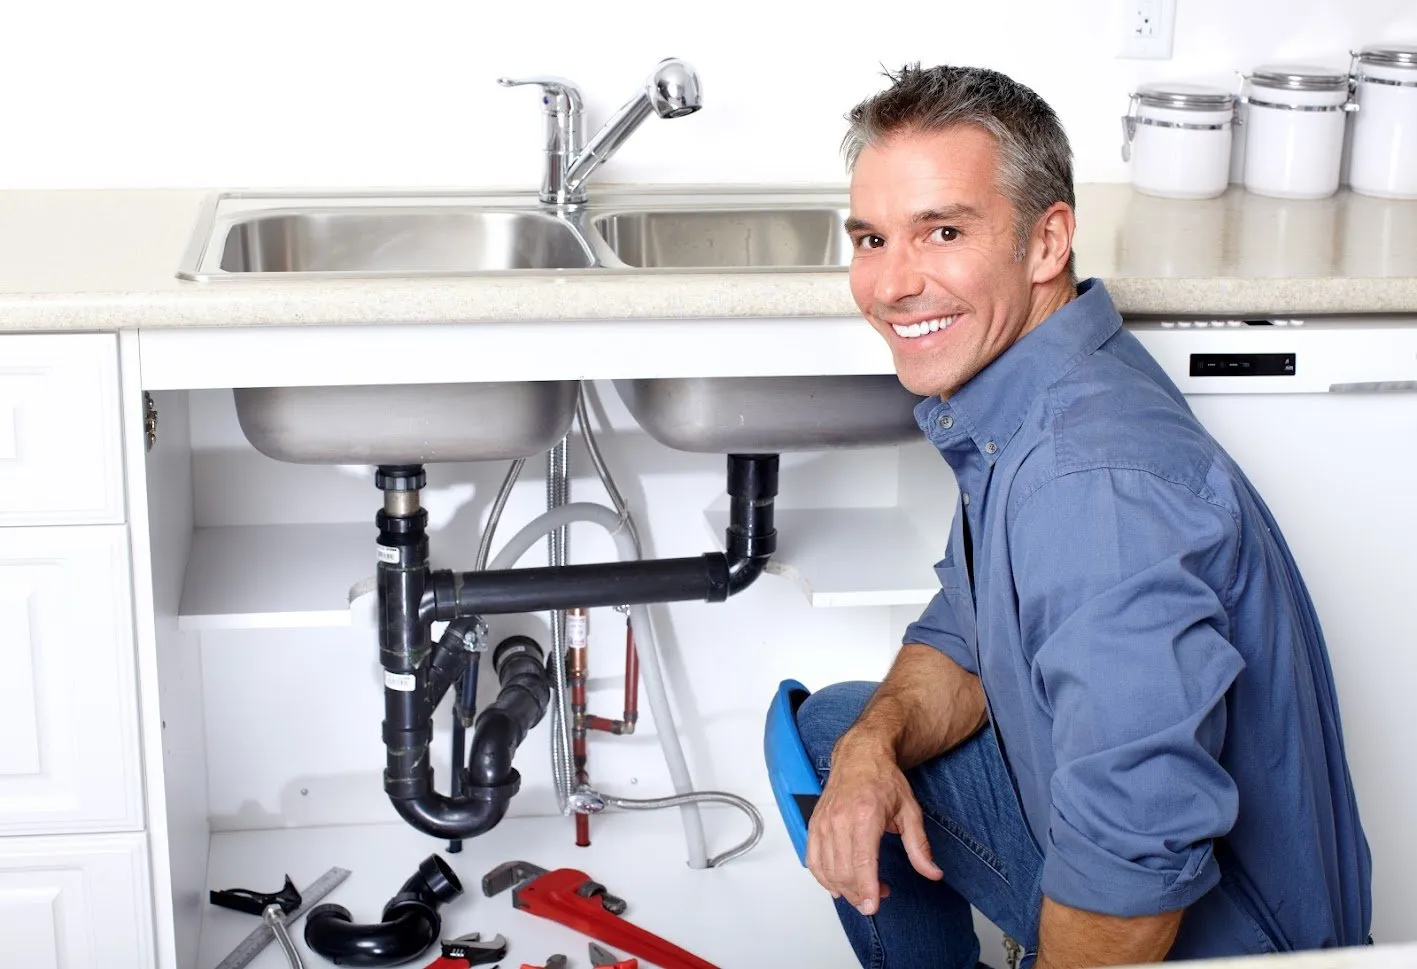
<point>108,260</point>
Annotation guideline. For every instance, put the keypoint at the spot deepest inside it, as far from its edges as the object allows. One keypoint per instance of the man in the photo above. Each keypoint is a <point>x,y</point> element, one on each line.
<point>1114,730</point>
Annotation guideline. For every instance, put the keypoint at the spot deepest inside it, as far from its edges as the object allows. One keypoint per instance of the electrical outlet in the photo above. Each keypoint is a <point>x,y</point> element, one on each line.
<point>1145,28</point>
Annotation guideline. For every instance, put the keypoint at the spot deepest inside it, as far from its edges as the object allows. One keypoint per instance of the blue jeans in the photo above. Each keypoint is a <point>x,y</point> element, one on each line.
<point>978,838</point>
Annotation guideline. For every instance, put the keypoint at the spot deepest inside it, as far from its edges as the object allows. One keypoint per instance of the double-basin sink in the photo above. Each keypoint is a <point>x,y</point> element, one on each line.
<point>511,234</point>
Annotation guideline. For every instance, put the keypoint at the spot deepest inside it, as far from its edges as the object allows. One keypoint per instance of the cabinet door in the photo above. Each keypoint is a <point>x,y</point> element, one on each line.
<point>68,701</point>
<point>61,444</point>
<point>80,902</point>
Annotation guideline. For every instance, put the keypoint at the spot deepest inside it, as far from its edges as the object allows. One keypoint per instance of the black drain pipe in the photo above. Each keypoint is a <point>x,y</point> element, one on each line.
<point>411,598</point>
<point>751,540</point>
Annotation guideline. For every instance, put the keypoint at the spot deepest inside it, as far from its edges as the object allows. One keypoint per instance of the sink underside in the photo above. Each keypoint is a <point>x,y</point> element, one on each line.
<point>413,424</point>
<point>722,415</point>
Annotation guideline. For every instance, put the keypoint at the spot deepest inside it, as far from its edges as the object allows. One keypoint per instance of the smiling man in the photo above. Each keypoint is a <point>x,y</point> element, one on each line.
<point>1114,730</point>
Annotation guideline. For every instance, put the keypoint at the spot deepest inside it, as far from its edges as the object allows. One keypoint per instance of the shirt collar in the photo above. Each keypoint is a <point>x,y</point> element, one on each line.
<point>987,411</point>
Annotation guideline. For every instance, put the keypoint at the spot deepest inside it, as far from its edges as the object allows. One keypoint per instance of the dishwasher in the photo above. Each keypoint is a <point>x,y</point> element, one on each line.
<point>1321,413</point>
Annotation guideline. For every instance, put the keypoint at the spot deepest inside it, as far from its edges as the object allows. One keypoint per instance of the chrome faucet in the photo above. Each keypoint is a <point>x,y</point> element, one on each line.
<point>672,91</point>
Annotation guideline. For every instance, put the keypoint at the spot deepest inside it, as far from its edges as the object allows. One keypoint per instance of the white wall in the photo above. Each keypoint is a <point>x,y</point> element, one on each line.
<point>331,93</point>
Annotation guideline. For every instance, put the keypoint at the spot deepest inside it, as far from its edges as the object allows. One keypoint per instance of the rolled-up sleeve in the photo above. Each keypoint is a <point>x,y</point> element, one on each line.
<point>1120,579</point>
<point>938,627</point>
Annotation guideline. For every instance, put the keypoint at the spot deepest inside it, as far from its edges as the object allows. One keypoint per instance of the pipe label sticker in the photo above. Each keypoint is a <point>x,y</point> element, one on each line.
<point>387,554</point>
<point>577,628</point>
<point>403,682</point>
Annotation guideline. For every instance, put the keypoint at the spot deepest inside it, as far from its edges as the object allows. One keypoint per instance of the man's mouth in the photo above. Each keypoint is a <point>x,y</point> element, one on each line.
<point>923,327</point>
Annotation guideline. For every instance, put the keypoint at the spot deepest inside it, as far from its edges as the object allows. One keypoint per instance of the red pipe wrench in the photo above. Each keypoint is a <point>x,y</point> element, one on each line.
<point>573,899</point>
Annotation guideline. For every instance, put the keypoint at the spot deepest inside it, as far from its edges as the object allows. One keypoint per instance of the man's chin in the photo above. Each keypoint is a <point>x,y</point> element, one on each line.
<point>919,383</point>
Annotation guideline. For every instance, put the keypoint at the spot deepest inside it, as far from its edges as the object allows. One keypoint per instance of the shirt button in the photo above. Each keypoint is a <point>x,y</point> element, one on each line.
<point>964,497</point>
<point>946,422</point>
<point>990,447</point>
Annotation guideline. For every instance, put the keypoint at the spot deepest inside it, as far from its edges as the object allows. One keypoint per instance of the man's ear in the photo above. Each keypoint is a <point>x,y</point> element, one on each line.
<point>1052,242</point>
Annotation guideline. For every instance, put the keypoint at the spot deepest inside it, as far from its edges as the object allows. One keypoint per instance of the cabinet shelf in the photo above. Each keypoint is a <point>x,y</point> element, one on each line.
<point>850,556</point>
<point>274,576</point>
<point>300,576</point>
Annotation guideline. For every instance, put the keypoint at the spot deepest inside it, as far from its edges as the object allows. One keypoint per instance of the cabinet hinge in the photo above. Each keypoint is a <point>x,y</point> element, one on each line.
<point>149,419</point>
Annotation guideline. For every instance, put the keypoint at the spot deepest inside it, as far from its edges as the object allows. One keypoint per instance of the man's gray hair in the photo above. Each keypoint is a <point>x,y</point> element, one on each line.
<point>1035,160</point>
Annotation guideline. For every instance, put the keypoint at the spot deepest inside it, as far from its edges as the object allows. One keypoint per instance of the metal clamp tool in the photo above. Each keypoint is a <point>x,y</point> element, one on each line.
<point>277,910</point>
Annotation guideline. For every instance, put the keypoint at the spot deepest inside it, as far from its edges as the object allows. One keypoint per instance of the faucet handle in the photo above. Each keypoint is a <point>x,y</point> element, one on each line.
<point>561,95</point>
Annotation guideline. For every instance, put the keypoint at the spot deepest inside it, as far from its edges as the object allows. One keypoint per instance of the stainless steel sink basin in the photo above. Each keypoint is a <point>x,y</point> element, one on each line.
<point>416,424</point>
<point>721,415</point>
<point>398,241</point>
<point>747,238</point>
<point>315,236</point>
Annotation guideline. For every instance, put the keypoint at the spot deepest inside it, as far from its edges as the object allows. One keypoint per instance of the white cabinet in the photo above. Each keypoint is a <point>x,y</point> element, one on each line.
<point>60,435</point>
<point>69,760</point>
<point>77,902</point>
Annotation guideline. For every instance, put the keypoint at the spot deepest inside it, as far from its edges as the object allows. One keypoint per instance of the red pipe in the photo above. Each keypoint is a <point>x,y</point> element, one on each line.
<point>577,640</point>
<point>632,691</point>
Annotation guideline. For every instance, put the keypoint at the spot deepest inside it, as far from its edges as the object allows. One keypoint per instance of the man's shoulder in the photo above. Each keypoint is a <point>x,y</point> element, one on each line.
<point>1107,414</point>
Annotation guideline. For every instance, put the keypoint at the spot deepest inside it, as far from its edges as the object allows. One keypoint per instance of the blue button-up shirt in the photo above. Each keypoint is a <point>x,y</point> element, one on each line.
<point>1154,667</point>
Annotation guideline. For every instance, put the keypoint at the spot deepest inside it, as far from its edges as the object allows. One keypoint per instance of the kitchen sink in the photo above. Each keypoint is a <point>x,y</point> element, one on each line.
<point>617,232</point>
<point>738,238</point>
<point>402,240</point>
<point>292,237</point>
<point>407,424</point>
<point>722,415</point>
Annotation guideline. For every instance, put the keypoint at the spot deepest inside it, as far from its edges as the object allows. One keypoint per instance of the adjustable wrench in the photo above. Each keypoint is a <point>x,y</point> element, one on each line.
<point>575,900</point>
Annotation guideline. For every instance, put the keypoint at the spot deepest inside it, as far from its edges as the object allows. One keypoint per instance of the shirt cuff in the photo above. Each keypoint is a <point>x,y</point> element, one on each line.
<point>1081,875</point>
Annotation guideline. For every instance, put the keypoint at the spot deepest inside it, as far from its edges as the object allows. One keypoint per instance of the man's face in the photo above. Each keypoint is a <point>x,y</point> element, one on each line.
<point>933,268</point>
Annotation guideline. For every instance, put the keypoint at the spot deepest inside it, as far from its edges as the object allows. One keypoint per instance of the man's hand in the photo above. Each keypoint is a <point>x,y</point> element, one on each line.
<point>926,705</point>
<point>865,796</point>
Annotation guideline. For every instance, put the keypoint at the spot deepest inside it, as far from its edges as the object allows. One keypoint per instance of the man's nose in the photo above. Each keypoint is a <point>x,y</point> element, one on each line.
<point>900,276</point>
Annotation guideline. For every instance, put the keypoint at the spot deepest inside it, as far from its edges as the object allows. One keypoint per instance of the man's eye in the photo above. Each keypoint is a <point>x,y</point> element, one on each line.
<point>945,233</point>
<point>869,242</point>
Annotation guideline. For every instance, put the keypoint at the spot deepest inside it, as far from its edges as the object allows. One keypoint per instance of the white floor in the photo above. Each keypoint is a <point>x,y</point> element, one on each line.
<point>759,910</point>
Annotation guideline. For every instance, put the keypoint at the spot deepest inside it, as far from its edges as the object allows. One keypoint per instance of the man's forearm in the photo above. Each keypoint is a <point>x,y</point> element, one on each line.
<point>1069,938</point>
<point>926,705</point>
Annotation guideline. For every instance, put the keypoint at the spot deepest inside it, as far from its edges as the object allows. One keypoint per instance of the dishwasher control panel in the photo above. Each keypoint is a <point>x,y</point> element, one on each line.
<point>1242,364</point>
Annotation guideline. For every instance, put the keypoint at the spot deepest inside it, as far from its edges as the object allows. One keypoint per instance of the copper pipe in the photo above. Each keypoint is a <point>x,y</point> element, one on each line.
<point>632,692</point>
<point>577,641</point>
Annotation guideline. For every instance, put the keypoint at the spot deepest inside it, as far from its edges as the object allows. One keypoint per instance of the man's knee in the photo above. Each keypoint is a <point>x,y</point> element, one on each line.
<point>827,714</point>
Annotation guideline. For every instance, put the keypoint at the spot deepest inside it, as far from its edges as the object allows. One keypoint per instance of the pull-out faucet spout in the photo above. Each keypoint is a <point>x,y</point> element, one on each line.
<point>671,91</point>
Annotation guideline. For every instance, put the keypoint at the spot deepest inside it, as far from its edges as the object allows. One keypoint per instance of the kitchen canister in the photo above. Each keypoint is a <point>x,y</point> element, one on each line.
<point>1177,137</point>
<point>1293,130</point>
<point>1383,155</point>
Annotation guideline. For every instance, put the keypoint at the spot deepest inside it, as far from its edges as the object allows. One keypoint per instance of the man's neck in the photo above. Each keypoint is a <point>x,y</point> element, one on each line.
<point>1047,299</point>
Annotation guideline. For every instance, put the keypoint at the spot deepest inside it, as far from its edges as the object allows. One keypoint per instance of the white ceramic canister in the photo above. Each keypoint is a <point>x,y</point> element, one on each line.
<point>1293,130</point>
<point>1177,137</point>
<point>1383,158</point>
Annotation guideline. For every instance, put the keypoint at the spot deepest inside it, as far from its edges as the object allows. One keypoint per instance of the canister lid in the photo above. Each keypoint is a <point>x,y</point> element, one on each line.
<point>1392,55</point>
<point>1300,77</point>
<point>1182,96</point>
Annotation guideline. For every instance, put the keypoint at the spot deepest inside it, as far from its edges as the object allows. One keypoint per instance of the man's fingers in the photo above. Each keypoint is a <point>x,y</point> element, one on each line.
<point>917,847</point>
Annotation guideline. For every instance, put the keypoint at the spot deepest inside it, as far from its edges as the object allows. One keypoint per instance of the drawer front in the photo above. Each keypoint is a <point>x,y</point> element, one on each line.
<point>60,430</point>
<point>69,760</point>
<point>79,902</point>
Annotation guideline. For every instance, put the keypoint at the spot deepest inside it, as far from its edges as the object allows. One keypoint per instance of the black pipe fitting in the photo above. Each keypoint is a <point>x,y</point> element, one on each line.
<point>410,922</point>
<point>488,782</point>
<point>454,651</point>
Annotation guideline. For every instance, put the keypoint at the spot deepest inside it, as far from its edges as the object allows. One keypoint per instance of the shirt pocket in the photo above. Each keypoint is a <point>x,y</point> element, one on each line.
<point>954,583</point>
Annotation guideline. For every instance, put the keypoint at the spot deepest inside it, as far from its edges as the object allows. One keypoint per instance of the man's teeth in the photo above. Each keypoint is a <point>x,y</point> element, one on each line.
<point>923,327</point>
